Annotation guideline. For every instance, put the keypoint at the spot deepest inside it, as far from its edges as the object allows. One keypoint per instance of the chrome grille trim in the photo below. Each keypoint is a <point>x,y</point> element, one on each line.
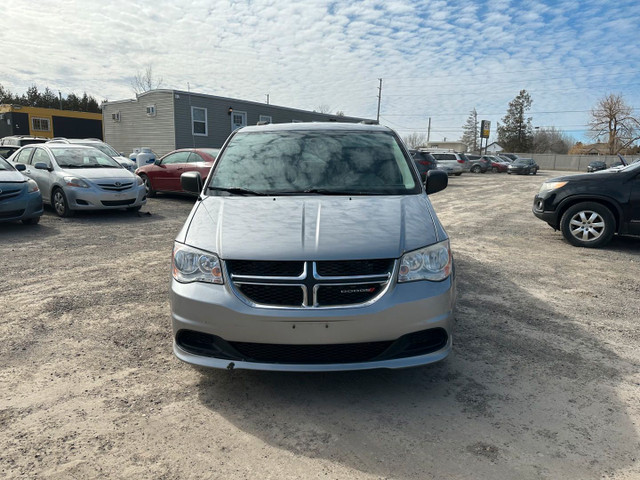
<point>112,187</point>
<point>317,281</point>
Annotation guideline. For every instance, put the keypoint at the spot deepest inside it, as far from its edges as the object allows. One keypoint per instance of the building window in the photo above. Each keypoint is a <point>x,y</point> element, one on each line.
<point>151,110</point>
<point>115,116</point>
<point>40,124</point>
<point>199,121</point>
<point>265,118</point>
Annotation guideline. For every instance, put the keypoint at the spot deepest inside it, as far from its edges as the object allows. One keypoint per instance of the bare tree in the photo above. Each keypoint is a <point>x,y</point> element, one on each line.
<point>612,117</point>
<point>415,139</point>
<point>323,108</point>
<point>143,82</point>
<point>551,140</point>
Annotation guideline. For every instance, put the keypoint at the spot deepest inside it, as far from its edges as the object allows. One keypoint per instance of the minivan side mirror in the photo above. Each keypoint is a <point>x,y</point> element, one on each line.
<point>42,166</point>
<point>21,167</point>
<point>437,180</point>
<point>191,182</point>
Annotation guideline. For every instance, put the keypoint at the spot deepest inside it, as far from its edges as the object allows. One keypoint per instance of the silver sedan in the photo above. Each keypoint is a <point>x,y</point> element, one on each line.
<point>75,177</point>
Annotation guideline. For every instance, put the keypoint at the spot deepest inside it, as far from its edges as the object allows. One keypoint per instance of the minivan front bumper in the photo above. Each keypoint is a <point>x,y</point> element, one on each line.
<point>410,325</point>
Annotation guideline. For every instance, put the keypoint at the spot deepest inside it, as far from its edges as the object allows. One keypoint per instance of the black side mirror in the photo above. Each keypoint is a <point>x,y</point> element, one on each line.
<point>191,182</point>
<point>42,166</point>
<point>436,180</point>
<point>156,161</point>
<point>21,167</point>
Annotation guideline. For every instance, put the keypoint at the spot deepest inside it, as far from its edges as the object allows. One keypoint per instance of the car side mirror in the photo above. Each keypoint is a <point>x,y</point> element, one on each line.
<point>191,182</point>
<point>21,167</point>
<point>437,180</point>
<point>42,166</point>
<point>156,161</point>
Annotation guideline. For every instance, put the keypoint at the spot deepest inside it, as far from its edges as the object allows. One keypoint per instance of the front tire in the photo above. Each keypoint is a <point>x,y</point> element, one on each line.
<point>475,169</point>
<point>588,224</point>
<point>60,203</point>
<point>147,185</point>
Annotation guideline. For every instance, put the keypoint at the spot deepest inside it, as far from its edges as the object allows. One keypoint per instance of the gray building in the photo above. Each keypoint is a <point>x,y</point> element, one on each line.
<point>165,120</point>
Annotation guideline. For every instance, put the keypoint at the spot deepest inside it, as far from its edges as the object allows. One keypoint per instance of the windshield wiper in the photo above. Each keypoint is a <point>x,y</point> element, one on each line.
<point>322,191</point>
<point>237,191</point>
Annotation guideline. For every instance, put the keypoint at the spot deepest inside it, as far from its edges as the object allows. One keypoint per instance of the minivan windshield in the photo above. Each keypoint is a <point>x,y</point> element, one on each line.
<point>313,162</point>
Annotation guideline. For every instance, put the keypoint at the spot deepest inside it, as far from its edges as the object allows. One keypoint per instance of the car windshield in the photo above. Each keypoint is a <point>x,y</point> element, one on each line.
<point>521,161</point>
<point>103,147</point>
<point>327,162</point>
<point>4,165</point>
<point>83,158</point>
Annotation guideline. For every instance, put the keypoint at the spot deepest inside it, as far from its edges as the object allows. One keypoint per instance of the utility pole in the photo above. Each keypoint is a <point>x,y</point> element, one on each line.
<point>60,96</point>
<point>379,99</point>
<point>429,130</point>
<point>267,98</point>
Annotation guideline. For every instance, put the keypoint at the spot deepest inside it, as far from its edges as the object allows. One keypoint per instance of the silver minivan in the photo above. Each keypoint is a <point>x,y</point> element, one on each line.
<point>312,247</point>
<point>76,177</point>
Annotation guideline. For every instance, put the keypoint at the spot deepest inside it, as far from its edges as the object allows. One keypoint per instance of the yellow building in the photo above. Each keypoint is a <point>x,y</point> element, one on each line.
<point>49,122</point>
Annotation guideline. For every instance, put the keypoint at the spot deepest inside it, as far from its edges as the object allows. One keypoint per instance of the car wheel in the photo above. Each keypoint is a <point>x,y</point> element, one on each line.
<point>31,221</point>
<point>134,209</point>
<point>494,169</point>
<point>458,174</point>
<point>588,224</point>
<point>147,185</point>
<point>535,171</point>
<point>60,203</point>
<point>475,169</point>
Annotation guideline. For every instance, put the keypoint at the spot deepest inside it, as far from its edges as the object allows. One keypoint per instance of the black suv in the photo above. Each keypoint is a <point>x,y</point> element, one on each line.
<point>424,161</point>
<point>590,208</point>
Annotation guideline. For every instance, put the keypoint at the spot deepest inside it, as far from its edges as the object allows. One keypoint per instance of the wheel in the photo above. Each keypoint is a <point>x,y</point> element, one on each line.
<point>494,169</point>
<point>31,221</point>
<point>134,209</point>
<point>475,169</point>
<point>588,224</point>
<point>60,203</point>
<point>147,185</point>
<point>535,171</point>
<point>458,174</point>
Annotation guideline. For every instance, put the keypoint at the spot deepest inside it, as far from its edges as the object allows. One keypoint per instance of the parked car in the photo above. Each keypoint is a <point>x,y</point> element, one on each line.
<point>164,174</point>
<point>102,146</point>
<point>424,162</point>
<point>590,208</point>
<point>7,150</point>
<point>497,164</point>
<point>453,158</point>
<point>76,177</point>
<point>21,140</point>
<point>20,197</point>
<point>479,164</point>
<point>596,165</point>
<point>312,247</point>
<point>523,166</point>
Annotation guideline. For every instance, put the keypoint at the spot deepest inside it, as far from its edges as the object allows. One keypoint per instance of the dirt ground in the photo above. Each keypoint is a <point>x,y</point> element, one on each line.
<point>543,382</point>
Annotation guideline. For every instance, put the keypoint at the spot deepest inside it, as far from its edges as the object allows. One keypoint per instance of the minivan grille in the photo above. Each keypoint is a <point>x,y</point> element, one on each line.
<point>308,284</point>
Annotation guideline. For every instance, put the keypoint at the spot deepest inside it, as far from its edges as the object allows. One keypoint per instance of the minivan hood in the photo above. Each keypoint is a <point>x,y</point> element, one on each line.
<point>313,227</point>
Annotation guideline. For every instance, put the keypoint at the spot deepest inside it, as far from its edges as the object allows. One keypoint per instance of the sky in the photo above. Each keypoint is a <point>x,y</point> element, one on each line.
<point>436,59</point>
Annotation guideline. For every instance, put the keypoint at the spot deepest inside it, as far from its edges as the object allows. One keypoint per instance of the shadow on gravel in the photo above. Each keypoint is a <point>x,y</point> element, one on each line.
<point>527,393</point>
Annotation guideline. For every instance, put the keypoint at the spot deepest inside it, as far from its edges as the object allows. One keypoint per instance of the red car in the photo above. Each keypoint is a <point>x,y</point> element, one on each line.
<point>496,164</point>
<point>164,174</point>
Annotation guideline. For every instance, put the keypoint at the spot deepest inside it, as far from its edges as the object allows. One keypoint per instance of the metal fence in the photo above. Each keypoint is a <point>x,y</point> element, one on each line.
<point>578,163</point>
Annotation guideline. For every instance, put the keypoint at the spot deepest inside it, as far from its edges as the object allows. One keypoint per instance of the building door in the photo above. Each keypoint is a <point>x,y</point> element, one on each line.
<point>238,120</point>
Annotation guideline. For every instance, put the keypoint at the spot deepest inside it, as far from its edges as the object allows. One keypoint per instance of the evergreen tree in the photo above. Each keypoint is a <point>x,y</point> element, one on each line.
<point>516,133</point>
<point>470,132</point>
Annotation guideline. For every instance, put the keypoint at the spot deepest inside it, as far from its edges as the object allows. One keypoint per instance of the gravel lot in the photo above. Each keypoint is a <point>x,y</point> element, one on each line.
<point>543,381</point>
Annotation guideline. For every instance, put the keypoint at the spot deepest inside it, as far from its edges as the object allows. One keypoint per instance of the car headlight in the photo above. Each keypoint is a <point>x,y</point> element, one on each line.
<point>32,185</point>
<point>140,181</point>
<point>548,186</point>
<point>190,264</point>
<point>75,182</point>
<point>429,263</point>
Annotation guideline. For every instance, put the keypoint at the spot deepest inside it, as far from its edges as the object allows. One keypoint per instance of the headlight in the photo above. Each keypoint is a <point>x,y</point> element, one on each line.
<point>139,179</point>
<point>429,263</point>
<point>33,186</point>
<point>75,182</point>
<point>548,186</point>
<point>189,264</point>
